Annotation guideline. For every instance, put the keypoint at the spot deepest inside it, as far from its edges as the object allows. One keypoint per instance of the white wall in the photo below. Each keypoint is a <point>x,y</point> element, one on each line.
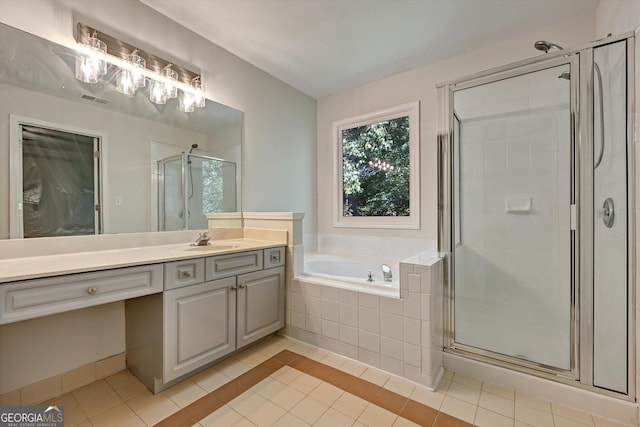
<point>278,140</point>
<point>419,84</point>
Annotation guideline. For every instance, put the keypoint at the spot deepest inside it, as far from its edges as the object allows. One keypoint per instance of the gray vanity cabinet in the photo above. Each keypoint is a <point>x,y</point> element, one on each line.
<point>210,307</point>
<point>200,325</point>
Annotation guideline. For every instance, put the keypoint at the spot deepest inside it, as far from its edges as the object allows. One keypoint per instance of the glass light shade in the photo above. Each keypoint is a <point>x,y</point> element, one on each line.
<point>170,89</point>
<point>187,102</point>
<point>97,53</point>
<point>199,99</point>
<point>157,93</point>
<point>85,70</point>
<point>137,65</point>
<point>125,83</point>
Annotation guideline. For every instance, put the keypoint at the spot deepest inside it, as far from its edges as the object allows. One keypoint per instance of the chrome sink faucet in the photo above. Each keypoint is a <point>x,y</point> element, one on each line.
<point>203,239</point>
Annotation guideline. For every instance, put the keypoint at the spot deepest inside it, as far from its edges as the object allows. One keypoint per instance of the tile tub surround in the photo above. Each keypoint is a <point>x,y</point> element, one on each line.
<point>401,336</point>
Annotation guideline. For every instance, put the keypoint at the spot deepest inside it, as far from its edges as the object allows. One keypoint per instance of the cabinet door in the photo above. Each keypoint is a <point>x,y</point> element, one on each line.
<point>199,325</point>
<point>260,304</point>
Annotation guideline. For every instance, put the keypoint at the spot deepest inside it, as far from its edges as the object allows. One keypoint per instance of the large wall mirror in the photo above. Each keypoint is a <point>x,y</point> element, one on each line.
<point>78,158</point>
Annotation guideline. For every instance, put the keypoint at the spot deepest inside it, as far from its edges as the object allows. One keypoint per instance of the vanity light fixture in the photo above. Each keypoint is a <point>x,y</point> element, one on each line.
<point>91,61</point>
<point>133,68</point>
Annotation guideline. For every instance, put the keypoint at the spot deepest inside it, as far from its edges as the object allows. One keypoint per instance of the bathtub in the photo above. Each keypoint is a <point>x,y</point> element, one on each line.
<point>351,272</point>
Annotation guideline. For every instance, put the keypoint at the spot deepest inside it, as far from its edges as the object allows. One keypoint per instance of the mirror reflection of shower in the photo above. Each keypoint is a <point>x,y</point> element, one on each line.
<point>197,184</point>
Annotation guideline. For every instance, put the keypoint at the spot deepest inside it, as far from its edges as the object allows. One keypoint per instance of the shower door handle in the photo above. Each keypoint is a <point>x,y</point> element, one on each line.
<point>607,212</point>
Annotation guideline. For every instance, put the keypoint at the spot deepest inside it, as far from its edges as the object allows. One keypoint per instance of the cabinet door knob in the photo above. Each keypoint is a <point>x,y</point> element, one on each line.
<point>92,290</point>
<point>233,288</point>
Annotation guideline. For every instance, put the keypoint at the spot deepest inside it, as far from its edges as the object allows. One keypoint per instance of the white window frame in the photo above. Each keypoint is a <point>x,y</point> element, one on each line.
<point>412,221</point>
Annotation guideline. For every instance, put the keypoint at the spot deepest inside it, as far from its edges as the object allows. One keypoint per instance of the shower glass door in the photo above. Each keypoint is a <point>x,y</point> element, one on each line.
<point>512,208</point>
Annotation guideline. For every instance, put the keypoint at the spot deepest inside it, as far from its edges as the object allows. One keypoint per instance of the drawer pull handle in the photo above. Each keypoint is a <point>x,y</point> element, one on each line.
<point>92,290</point>
<point>186,274</point>
<point>242,286</point>
<point>233,288</point>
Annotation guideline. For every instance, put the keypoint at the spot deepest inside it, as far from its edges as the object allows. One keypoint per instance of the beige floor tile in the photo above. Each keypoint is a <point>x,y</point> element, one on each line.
<point>375,416</point>
<point>604,422</point>
<point>326,393</point>
<point>131,390</point>
<point>403,422</point>
<point>305,383</point>
<point>121,379</point>
<point>112,416</point>
<point>504,392</point>
<point>532,416</point>
<point>468,381</point>
<point>85,423</point>
<point>287,398</point>
<point>399,386</point>
<point>309,410</point>
<point>464,392</point>
<point>253,359</point>
<point>185,393</point>
<point>375,376</point>
<point>232,368</point>
<point>572,414</point>
<point>286,374</point>
<point>301,348</point>
<point>427,397</point>
<point>317,354</point>
<point>244,423</point>
<point>223,417</point>
<point>351,405</point>
<point>486,418</point>
<point>333,418</point>
<point>266,414</point>
<point>211,379</point>
<point>92,391</point>
<point>100,404</point>
<point>145,400</point>
<point>566,422</point>
<point>67,400</point>
<point>358,424</point>
<point>134,421</point>
<point>268,387</point>
<point>246,403</point>
<point>334,360</point>
<point>497,404</point>
<point>289,420</point>
<point>74,416</point>
<point>459,409</point>
<point>158,411</point>
<point>535,402</point>
<point>354,368</point>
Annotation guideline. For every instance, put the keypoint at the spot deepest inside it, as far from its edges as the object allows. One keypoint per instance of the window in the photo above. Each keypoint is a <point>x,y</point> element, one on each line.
<point>377,157</point>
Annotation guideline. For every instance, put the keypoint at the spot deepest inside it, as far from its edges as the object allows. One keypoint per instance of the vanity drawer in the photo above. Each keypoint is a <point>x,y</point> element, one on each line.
<point>273,257</point>
<point>183,273</point>
<point>220,266</point>
<point>40,297</point>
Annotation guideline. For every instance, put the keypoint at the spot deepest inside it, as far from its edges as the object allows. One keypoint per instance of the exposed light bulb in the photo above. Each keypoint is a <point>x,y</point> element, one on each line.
<point>157,93</point>
<point>187,102</point>
<point>124,83</point>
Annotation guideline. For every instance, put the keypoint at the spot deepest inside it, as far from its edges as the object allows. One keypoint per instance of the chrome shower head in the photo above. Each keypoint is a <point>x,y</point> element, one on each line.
<point>193,147</point>
<point>546,46</point>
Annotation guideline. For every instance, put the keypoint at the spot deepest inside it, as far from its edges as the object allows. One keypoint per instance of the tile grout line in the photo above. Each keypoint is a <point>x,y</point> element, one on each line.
<point>372,393</point>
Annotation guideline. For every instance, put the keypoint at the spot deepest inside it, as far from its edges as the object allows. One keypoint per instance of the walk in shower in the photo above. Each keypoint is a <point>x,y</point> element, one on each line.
<point>536,215</point>
<point>192,185</point>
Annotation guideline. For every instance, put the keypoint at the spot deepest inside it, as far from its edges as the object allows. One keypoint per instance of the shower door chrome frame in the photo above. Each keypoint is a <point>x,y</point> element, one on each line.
<point>580,60</point>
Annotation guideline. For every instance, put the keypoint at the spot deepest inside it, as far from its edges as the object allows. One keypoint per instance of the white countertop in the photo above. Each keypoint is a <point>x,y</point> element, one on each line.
<point>23,268</point>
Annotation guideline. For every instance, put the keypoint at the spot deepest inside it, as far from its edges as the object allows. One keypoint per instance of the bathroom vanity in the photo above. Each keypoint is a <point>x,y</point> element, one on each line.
<point>185,307</point>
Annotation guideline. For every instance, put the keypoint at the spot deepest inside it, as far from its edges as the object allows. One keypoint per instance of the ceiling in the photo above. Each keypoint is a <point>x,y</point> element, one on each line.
<point>321,47</point>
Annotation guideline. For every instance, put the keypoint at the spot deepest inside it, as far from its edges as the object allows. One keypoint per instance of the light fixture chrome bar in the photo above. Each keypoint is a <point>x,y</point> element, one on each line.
<point>120,49</point>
